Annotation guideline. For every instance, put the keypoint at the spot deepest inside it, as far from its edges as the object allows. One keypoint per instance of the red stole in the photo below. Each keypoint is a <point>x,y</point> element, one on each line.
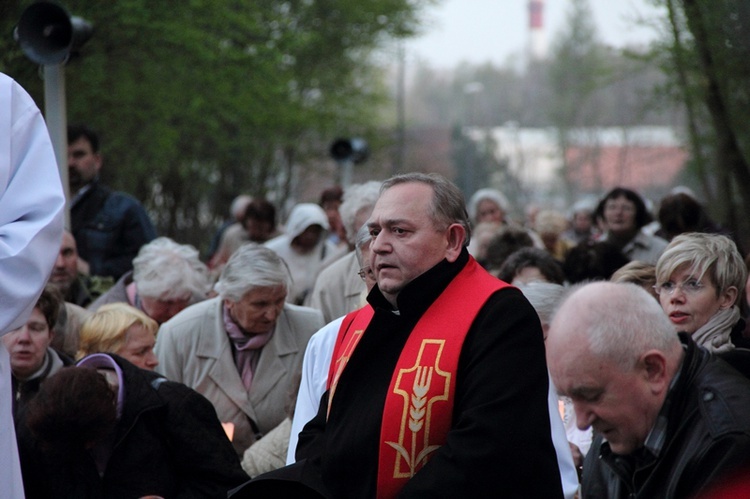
<point>419,403</point>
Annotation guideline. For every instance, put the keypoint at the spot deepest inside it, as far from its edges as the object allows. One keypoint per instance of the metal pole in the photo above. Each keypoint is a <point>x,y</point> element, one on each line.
<point>56,117</point>
<point>398,164</point>
<point>347,165</point>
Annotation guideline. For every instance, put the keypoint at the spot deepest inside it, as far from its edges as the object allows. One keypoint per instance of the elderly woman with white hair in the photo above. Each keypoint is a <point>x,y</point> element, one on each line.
<point>699,279</point>
<point>166,278</point>
<point>487,209</point>
<point>242,348</point>
<point>488,205</point>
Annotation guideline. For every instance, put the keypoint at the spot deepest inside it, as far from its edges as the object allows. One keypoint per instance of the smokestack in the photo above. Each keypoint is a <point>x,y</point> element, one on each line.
<point>537,38</point>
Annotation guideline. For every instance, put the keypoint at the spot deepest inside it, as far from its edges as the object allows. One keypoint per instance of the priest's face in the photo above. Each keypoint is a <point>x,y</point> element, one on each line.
<point>406,241</point>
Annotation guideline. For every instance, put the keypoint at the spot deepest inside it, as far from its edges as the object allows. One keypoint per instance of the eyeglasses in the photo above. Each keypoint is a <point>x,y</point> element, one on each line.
<point>689,287</point>
<point>625,207</point>
<point>363,272</point>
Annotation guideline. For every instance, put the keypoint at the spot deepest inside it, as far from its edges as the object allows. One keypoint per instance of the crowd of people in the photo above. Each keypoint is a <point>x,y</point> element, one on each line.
<point>389,340</point>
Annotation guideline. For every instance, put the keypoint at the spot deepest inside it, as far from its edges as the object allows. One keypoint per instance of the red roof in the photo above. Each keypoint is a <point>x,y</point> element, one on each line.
<point>638,167</point>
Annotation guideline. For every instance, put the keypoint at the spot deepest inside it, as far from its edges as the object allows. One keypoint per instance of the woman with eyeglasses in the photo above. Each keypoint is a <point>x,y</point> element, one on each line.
<point>699,279</point>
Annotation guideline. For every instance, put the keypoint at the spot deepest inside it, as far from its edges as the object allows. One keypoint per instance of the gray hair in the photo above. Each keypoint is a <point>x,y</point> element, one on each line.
<point>711,254</point>
<point>544,297</point>
<point>362,239</point>
<point>167,270</point>
<point>586,205</point>
<point>239,205</point>
<point>620,321</point>
<point>489,194</point>
<point>251,266</point>
<point>357,197</point>
<point>447,206</point>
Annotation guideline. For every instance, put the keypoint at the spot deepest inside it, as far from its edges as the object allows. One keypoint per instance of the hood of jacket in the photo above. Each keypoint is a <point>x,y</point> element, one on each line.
<point>303,216</point>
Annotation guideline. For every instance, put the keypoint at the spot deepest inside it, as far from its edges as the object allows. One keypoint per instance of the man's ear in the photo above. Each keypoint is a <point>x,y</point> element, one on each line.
<point>654,365</point>
<point>455,234</point>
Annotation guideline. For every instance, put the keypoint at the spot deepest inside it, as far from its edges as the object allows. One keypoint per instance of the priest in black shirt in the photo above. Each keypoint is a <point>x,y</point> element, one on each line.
<point>438,387</point>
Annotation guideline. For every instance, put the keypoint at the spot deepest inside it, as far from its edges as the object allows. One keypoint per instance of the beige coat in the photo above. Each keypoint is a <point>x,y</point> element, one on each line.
<point>193,348</point>
<point>338,289</point>
<point>268,453</point>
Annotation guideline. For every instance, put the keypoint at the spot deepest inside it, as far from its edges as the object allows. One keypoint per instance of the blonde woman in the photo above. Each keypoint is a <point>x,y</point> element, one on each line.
<point>123,330</point>
<point>636,272</point>
<point>698,279</point>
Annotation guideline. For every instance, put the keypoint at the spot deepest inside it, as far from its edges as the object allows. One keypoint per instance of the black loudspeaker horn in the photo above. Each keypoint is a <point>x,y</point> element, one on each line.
<point>48,34</point>
<point>354,150</point>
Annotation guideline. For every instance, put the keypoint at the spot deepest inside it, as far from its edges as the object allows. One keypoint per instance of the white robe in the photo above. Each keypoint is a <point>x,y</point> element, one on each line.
<point>31,223</point>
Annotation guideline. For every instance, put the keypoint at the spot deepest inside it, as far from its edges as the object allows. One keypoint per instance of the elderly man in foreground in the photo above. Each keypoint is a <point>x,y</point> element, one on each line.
<point>670,418</point>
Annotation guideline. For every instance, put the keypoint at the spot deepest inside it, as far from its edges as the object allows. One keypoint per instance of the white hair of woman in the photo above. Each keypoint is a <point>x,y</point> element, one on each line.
<point>357,198</point>
<point>239,205</point>
<point>362,239</point>
<point>167,270</point>
<point>544,297</point>
<point>487,193</point>
<point>251,266</point>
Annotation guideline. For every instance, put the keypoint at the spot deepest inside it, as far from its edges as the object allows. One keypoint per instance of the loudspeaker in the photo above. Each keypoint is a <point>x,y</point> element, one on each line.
<point>354,150</point>
<point>48,34</point>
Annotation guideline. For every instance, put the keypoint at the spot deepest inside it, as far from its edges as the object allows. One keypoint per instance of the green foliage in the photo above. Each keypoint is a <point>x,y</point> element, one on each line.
<point>578,70</point>
<point>197,101</point>
<point>704,54</point>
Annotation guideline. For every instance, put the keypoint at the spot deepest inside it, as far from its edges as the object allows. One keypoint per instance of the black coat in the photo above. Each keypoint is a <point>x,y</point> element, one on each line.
<point>168,442</point>
<point>707,436</point>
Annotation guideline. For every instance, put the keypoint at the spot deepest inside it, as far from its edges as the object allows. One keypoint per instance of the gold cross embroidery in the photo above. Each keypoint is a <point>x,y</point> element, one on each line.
<point>420,386</point>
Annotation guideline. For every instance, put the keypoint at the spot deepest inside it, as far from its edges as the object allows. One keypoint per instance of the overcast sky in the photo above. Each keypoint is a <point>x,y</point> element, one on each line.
<point>479,31</point>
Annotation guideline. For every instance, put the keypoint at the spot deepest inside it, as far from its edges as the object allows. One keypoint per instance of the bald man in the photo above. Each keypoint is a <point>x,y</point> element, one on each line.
<point>670,419</point>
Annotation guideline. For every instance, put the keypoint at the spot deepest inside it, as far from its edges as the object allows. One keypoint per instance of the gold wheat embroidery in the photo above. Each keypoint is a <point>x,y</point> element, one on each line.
<point>417,412</point>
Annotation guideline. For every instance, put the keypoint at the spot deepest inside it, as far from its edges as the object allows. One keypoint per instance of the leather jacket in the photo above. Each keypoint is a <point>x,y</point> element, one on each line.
<point>707,435</point>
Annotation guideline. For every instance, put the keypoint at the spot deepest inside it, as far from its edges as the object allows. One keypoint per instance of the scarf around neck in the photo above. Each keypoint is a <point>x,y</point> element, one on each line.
<point>714,335</point>
<point>247,347</point>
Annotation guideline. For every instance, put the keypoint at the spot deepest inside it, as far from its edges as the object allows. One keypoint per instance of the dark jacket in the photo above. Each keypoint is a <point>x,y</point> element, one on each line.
<point>707,435</point>
<point>109,228</point>
<point>168,442</point>
<point>25,390</point>
<point>85,289</point>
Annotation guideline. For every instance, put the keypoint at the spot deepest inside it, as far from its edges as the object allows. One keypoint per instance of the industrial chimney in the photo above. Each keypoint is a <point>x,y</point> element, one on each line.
<point>537,38</point>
